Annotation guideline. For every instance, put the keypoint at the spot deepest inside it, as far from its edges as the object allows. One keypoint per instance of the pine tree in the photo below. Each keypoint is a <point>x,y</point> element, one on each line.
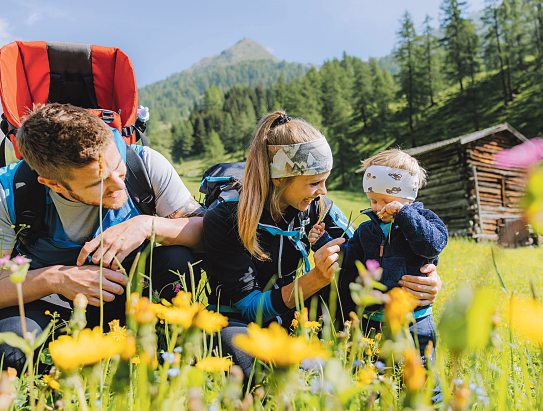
<point>336,114</point>
<point>183,140</point>
<point>494,45</point>
<point>460,42</point>
<point>213,148</point>
<point>408,55</point>
<point>430,61</point>
<point>383,91</point>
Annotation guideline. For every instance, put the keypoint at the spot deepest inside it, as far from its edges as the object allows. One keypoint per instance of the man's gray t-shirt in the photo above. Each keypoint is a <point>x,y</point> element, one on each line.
<point>79,220</point>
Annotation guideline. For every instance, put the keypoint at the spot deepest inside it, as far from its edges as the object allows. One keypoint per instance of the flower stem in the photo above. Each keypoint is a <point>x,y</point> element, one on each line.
<point>30,353</point>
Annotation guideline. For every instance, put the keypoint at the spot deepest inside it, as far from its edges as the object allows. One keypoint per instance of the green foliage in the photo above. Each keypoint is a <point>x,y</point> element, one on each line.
<point>442,83</point>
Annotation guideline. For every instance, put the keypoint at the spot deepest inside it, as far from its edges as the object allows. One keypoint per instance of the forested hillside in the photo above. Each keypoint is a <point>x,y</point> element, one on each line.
<point>464,79</point>
<point>246,63</point>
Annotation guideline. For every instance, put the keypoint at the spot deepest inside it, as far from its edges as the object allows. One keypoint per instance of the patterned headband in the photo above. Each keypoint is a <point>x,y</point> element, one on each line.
<point>303,159</point>
<point>391,181</point>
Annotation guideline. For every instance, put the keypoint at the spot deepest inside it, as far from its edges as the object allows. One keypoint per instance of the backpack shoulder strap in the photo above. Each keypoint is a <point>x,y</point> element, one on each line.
<point>29,201</point>
<point>138,183</point>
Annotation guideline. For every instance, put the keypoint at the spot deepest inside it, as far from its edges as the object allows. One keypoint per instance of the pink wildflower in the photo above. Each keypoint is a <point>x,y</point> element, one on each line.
<point>524,155</point>
<point>4,260</point>
<point>20,260</point>
<point>372,265</point>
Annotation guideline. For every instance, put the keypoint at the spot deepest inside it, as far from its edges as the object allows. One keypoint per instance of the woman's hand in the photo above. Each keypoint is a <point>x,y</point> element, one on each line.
<point>424,288</point>
<point>326,260</point>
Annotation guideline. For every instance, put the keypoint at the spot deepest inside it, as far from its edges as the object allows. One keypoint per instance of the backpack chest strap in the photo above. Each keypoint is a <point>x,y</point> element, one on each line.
<point>294,236</point>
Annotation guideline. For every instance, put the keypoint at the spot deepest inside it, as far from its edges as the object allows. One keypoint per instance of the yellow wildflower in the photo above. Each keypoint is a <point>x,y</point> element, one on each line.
<point>51,382</point>
<point>368,341</point>
<point>274,345</point>
<point>366,376</point>
<point>182,299</point>
<point>8,391</point>
<point>302,318</point>
<point>429,350</point>
<point>182,315</point>
<point>312,325</point>
<point>141,309</point>
<point>135,360</point>
<point>525,315</point>
<point>414,373</point>
<point>214,364</point>
<point>210,322</point>
<point>398,308</point>
<point>88,347</point>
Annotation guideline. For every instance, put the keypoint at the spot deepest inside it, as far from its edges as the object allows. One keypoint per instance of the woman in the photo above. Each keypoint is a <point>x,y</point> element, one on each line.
<point>255,245</point>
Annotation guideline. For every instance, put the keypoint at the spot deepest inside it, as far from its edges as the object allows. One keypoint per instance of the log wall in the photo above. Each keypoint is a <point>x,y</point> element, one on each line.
<point>446,191</point>
<point>499,190</point>
<point>467,191</point>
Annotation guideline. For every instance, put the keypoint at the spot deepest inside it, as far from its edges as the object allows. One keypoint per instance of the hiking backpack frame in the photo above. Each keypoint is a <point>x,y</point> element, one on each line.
<point>100,79</point>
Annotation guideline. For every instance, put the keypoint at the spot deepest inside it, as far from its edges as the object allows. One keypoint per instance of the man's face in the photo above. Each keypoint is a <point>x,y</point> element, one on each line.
<point>83,183</point>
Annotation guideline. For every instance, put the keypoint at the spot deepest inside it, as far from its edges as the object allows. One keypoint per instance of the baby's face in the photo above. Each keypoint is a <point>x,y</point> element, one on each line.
<point>379,201</point>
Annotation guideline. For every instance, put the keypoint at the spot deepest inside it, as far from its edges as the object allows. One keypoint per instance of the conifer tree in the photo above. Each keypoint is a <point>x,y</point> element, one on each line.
<point>460,42</point>
<point>408,54</point>
<point>183,140</point>
<point>213,148</point>
<point>430,61</point>
<point>495,50</point>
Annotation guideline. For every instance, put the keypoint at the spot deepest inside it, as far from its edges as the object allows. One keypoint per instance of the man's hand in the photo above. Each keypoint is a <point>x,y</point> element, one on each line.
<point>425,289</point>
<point>119,241</point>
<point>72,280</point>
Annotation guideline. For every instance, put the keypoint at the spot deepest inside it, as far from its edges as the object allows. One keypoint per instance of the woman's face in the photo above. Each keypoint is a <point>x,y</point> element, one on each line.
<point>302,190</point>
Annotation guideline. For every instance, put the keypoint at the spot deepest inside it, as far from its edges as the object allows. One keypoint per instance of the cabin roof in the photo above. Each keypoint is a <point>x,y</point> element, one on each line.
<point>467,138</point>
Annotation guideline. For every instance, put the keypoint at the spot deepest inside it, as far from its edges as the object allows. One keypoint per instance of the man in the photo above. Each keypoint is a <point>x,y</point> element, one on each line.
<point>72,151</point>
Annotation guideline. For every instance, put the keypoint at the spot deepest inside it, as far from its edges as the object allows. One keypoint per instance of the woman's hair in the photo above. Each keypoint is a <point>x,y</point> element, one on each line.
<point>258,190</point>
<point>399,159</point>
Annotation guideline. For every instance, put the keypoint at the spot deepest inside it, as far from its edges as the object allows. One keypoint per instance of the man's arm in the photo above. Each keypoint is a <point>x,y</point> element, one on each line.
<point>424,288</point>
<point>191,208</point>
<point>65,280</point>
<point>121,239</point>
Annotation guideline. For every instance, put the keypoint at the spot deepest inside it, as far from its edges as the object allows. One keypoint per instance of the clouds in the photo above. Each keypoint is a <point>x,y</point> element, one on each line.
<point>5,35</point>
<point>32,18</point>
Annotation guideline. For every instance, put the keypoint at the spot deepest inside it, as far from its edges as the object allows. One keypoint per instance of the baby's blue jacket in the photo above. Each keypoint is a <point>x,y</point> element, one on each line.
<point>417,237</point>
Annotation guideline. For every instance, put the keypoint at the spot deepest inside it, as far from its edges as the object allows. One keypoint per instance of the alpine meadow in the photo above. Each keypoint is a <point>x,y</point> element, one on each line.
<point>436,95</point>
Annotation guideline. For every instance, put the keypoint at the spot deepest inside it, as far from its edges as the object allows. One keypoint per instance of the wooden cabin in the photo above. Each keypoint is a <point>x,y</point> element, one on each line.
<point>474,197</point>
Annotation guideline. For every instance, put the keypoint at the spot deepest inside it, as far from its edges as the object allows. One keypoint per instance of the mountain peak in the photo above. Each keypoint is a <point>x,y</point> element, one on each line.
<point>244,50</point>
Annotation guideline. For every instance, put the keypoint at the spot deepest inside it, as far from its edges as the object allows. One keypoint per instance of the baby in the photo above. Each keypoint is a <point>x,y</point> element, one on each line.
<point>401,234</point>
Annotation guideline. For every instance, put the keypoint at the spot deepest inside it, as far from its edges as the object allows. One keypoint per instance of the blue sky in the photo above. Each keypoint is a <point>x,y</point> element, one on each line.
<point>163,37</point>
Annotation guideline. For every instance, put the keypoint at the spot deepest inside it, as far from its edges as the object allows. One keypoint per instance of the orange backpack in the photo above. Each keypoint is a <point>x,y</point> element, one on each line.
<point>98,78</point>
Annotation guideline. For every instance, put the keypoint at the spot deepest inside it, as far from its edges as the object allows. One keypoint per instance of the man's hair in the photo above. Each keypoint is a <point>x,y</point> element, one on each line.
<point>55,138</point>
<point>399,159</point>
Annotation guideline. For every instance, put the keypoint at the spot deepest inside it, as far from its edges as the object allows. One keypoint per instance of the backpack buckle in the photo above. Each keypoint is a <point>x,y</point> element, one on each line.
<point>108,116</point>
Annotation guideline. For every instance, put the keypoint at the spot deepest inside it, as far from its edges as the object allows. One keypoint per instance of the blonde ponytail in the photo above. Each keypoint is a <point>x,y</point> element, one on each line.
<point>258,190</point>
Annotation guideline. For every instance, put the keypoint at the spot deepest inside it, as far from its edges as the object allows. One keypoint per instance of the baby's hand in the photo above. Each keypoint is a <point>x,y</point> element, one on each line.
<point>315,233</point>
<point>391,209</point>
